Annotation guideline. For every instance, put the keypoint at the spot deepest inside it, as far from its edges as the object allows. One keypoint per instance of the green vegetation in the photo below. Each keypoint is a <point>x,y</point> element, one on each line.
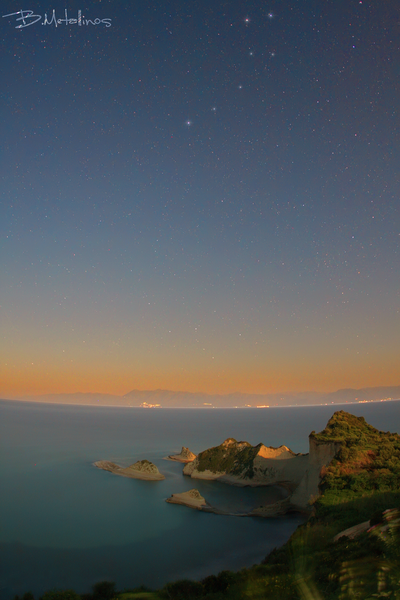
<point>367,462</point>
<point>343,426</point>
<point>233,457</point>
<point>360,484</point>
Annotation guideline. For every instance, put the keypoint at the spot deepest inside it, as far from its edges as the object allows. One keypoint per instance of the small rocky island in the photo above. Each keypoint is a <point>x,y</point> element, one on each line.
<point>142,469</point>
<point>185,456</point>
<point>192,498</point>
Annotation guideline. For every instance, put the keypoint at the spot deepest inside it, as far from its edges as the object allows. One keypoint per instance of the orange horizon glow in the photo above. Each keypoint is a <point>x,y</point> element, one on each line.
<point>18,382</point>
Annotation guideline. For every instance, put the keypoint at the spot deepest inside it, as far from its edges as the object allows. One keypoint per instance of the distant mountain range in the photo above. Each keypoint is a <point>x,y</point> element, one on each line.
<point>169,399</point>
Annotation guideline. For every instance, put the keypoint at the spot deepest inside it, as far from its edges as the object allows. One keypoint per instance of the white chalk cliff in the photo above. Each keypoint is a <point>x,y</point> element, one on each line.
<point>239,463</point>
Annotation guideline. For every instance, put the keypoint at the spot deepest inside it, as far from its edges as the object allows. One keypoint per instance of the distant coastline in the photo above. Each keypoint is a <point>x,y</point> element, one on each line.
<point>154,399</point>
<point>205,408</point>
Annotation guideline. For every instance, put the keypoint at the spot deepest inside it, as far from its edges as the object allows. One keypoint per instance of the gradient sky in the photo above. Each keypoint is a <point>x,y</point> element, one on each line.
<point>203,196</point>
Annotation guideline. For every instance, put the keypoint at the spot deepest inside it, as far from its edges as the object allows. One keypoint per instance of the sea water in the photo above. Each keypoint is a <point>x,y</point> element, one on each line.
<point>67,524</point>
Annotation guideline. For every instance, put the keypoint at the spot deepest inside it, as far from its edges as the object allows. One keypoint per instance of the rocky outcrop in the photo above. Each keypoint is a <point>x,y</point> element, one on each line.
<point>142,469</point>
<point>185,456</point>
<point>192,498</point>
<point>191,471</point>
<point>239,463</point>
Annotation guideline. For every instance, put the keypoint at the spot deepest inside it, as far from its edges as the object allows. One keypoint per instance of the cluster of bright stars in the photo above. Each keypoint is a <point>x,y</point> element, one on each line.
<point>270,15</point>
<point>247,20</point>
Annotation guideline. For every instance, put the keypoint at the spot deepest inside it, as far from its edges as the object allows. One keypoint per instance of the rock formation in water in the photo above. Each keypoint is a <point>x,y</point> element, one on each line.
<point>142,469</point>
<point>185,456</point>
<point>347,440</point>
<point>192,498</point>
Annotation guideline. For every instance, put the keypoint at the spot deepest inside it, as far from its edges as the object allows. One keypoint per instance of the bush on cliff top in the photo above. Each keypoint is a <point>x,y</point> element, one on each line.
<point>367,462</point>
<point>230,458</point>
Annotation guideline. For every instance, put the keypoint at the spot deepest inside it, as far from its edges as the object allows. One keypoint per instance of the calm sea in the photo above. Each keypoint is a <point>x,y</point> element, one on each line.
<point>66,524</point>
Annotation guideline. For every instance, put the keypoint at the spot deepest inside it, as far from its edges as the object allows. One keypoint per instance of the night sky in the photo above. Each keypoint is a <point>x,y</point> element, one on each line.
<point>200,196</point>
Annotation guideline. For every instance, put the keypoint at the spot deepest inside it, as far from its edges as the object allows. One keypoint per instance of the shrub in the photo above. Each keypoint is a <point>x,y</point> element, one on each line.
<point>60,595</point>
<point>104,590</point>
<point>185,589</point>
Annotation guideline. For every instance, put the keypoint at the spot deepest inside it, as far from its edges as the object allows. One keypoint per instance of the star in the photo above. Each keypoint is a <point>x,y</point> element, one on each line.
<point>270,15</point>
<point>247,20</point>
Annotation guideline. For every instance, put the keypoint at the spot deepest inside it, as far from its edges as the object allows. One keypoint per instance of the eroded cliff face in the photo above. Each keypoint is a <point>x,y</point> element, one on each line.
<point>320,455</point>
<point>271,471</point>
<point>280,453</point>
<point>239,463</point>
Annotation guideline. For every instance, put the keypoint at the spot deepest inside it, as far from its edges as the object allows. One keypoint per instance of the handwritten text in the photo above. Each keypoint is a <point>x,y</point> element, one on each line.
<point>26,18</point>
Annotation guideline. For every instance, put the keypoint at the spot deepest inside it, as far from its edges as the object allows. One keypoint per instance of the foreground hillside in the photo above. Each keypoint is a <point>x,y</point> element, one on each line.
<point>359,485</point>
<point>323,560</point>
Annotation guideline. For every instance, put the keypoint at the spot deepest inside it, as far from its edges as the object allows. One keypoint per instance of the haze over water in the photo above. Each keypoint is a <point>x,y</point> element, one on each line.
<point>68,524</point>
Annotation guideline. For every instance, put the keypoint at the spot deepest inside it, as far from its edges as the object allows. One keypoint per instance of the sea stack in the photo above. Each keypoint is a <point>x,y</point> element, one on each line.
<point>185,456</point>
<point>192,498</point>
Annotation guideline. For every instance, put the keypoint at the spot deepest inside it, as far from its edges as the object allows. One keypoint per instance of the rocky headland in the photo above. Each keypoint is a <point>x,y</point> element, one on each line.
<point>240,463</point>
<point>142,469</point>
<point>185,456</point>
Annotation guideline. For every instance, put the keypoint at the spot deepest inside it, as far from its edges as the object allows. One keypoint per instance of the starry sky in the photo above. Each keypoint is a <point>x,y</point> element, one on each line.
<point>200,196</point>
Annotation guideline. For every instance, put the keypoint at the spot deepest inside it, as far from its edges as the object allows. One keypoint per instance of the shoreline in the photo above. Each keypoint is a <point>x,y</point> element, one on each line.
<point>270,511</point>
<point>280,508</point>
